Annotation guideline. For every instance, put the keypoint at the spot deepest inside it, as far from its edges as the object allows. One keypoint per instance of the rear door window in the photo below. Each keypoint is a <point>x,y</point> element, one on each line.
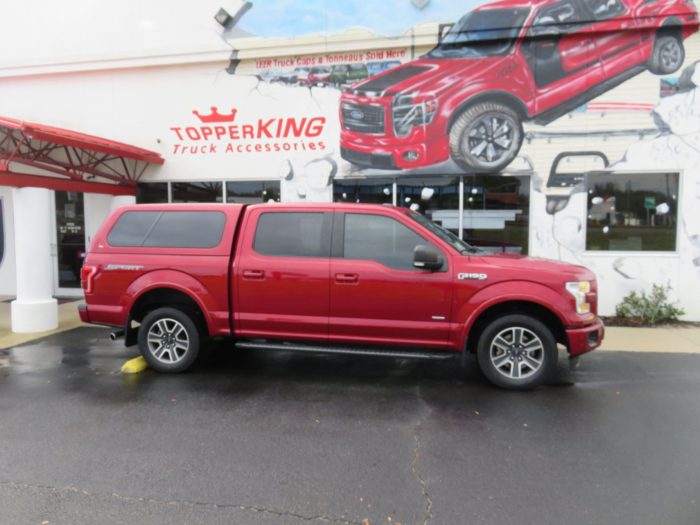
<point>168,229</point>
<point>293,234</point>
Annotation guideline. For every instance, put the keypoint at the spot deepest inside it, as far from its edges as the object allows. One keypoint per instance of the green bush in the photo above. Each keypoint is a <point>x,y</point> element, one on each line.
<point>650,309</point>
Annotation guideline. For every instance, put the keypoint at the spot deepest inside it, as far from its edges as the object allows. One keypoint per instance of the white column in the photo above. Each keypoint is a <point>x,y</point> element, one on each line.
<point>122,200</point>
<point>35,309</point>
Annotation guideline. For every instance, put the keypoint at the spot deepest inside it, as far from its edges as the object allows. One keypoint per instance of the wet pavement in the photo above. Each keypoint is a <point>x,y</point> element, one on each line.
<point>276,438</point>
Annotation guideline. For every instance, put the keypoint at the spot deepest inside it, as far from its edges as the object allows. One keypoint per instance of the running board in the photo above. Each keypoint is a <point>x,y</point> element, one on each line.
<point>437,355</point>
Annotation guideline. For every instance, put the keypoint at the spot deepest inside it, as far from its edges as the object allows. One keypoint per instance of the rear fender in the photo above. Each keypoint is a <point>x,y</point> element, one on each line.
<point>174,280</point>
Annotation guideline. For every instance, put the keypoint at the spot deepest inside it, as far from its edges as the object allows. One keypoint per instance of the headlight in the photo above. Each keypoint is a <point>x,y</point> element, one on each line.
<point>406,114</point>
<point>579,290</point>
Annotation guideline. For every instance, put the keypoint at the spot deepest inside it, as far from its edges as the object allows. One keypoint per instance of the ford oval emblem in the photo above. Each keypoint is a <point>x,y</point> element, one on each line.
<point>357,114</point>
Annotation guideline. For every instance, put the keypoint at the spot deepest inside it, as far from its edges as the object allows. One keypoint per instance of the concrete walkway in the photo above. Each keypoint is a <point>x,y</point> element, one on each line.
<point>684,340</point>
<point>67,320</point>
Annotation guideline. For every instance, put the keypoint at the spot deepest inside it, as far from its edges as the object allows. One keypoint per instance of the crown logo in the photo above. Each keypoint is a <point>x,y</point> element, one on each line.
<point>215,116</point>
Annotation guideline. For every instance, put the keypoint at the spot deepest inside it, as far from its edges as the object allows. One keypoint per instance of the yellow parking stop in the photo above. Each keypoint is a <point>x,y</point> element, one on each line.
<point>134,366</point>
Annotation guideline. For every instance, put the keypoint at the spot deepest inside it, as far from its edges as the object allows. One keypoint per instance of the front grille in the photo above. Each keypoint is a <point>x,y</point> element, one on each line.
<point>364,119</point>
<point>383,161</point>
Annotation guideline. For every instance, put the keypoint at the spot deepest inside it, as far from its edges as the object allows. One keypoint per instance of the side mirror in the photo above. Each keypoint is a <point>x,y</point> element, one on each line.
<point>427,258</point>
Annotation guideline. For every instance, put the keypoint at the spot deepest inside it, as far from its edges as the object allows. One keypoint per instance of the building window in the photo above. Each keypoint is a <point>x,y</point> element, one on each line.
<point>152,193</point>
<point>497,212</point>
<point>197,192</point>
<point>252,192</point>
<point>367,191</point>
<point>632,211</point>
<point>430,196</point>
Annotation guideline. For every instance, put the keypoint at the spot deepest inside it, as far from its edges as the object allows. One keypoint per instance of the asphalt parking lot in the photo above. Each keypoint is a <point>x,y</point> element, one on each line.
<point>275,438</point>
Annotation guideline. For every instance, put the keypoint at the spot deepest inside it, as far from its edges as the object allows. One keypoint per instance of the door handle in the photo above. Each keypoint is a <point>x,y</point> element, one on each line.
<point>346,278</point>
<point>253,274</point>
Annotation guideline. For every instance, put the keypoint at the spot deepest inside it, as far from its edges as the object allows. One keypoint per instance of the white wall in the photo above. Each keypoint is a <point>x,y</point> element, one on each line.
<point>7,266</point>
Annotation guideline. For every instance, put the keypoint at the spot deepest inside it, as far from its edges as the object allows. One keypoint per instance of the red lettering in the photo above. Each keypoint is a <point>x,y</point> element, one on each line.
<point>248,132</point>
<point>295,128</point>
<point>193,133</point>
<point>220,131</point>
<point>263,128</point>
<point>177,131</point>
<point>315,126</point>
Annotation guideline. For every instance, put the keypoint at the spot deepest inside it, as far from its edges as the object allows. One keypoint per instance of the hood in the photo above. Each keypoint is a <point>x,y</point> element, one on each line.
<point>429,75</point>
<point>523,263</point>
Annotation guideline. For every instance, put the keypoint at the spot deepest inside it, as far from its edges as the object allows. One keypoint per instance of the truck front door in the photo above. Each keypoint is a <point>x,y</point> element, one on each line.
<point>377,295</point>
<point>281,274</point>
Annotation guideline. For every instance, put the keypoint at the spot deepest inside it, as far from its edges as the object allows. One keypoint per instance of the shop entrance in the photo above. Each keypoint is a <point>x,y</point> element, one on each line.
<point>69,249</point>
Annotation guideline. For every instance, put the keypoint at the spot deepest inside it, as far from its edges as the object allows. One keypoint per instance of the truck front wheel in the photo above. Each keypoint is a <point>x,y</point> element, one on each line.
<point>169,340</point>
<point>486,137</point>
<point>517,352</point>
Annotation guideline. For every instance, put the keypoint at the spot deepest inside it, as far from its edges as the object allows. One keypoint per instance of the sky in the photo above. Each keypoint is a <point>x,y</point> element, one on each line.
<point>275,18</point>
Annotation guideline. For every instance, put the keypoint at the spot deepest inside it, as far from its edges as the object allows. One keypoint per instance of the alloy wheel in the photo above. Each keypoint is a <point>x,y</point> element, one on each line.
<point>490,138</point>
<point>517,352</point>
<point>671,54</point>
<point>168,340</point>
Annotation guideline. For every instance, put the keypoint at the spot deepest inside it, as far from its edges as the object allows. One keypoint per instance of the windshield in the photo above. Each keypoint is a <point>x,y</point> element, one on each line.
<point>447,236</point>
<point>482,33</point>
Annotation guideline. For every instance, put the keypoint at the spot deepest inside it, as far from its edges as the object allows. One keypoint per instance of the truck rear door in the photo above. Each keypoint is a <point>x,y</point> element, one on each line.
<point>281,274</point>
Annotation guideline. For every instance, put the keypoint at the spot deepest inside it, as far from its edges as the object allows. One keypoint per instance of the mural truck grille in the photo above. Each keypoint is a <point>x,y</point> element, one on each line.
<point>364,119</point>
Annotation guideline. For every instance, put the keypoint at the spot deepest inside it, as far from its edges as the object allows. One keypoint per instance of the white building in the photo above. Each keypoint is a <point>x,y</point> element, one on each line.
<point>195,111</point>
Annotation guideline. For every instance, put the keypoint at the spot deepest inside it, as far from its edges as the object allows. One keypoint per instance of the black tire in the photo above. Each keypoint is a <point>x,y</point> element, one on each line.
<point>668,54</point>
<point>499,347</point>
<point>174,341</point>
<point>486,137</point>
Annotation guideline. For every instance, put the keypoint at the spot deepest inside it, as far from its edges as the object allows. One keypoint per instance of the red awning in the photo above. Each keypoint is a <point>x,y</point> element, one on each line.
<point>69,160</point>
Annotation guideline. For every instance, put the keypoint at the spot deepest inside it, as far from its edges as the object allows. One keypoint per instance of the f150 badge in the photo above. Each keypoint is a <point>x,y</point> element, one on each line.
<point>472,276</point>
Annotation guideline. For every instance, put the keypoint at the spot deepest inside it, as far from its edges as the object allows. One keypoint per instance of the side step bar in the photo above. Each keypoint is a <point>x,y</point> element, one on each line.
<point>436,355</point>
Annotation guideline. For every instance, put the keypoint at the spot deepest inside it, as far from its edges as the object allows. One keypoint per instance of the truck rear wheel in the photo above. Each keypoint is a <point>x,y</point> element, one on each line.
<point>169,340</point>
<point>486,137</point>
<point>517,352</point>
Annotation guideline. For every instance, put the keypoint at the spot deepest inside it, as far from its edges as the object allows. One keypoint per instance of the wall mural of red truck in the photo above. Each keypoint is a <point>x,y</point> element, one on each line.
<point>503,64</point>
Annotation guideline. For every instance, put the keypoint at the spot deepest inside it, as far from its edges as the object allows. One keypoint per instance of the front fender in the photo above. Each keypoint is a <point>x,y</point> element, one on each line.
<point>468,312</point>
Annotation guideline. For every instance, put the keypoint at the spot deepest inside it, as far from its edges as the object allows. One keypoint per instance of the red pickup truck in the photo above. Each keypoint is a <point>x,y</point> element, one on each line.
<point>331,278</point>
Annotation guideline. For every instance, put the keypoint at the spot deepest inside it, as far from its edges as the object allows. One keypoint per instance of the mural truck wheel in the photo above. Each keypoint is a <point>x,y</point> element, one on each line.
<point>486,137</point>
<point>667,56</point>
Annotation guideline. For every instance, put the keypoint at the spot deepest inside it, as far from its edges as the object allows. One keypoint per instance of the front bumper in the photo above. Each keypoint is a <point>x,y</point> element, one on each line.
<point>390,153</point>
<point>585,339</point>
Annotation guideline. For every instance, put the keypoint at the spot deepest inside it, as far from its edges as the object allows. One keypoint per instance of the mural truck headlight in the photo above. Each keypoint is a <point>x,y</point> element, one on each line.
<point>407,113</point>
<point>579,290</point>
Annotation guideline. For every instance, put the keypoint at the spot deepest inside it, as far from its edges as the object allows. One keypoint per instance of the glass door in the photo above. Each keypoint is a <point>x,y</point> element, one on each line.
<point>70,242</point>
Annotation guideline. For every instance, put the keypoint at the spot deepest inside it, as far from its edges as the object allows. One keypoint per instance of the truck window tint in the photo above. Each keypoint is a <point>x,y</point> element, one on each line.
<point>170,229</point>
<point>291,235</point>
<point>187,229</point>
<point>132,227</point>
<point>380,239</point>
